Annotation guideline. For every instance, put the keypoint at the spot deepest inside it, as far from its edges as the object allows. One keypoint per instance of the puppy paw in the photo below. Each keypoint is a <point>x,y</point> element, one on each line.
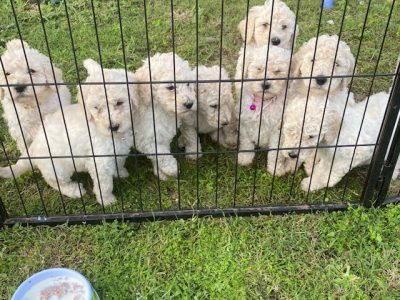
<point>305,184</point>
<point>181,142</point>
<point>170,171</point>
<point>108,199</point>
<point>314,186</point>
<point>245,158</point>
<point>194,155</point>
<point>123,173</point>
<point>73,190</point>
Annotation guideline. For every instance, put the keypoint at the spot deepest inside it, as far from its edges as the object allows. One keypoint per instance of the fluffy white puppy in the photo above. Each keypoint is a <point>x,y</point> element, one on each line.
<point>168,113</point>
<point>253,102</point>
<point>22,94</point>
<point>328,136</point>
<point>215,110</point>
<point>322,65</point>
<point>259,25</point>
<point>108,115</point>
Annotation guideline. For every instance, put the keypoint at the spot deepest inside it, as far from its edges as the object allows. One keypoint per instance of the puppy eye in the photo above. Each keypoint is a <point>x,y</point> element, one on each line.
<point>96,107</point>
<point>284,27</point>
<point>119,103</point>
<point>187,84</point>
<point>7,73</point>
<point>312,59</point>
<point>259,69</point>
<point>337,64</point>
<point>276,72</point>
<point>265,24</point>
<point>32,71</point>
<point>311,136</point>
<point>214,105</point>
<point>170,87</point>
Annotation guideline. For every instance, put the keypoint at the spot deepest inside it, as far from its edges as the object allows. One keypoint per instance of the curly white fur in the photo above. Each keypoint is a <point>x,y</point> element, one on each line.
<point>106,111</point>
<point>168,113</point>
<point>271,105</point>
<point>22,95</point>
<point>321,176</point>
<point>215,110</point>
<point>321,66</point>
<point>259,22</point>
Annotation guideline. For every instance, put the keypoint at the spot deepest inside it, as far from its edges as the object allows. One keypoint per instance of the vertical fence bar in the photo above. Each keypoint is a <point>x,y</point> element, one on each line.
<point>380,171</point>
<point>3,213</point>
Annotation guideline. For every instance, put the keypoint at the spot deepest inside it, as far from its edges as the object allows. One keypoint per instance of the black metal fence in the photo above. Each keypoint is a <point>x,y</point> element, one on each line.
<point>214,184</point>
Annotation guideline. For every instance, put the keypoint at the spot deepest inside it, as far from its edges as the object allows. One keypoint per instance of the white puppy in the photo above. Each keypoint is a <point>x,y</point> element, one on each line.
<point>294,132</point>
<point>322,65</point>
<point>251,135</point>
<point>259,24</point>
<point>108,115</point>
<point>215,109</point>
<point>168,113</point>
<point>22,95</point>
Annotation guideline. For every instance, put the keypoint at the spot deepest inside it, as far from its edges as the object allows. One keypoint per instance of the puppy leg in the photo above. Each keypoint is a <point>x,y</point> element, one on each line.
<point>103,187</point>
<point>122,171</point>
<point>167,164</point>
<point>18,169</point>
<point>245,158</point>
<point>190,140</point>
<point>276,162</point>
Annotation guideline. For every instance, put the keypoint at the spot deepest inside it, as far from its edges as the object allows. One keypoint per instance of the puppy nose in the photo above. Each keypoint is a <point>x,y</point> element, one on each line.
<point>114,128</point>
<point>293,154</point>
<point>188,105</point>
<point>275,41</point>
<point>20,88</point>
<point>266,85</point>
<point>320,80</point>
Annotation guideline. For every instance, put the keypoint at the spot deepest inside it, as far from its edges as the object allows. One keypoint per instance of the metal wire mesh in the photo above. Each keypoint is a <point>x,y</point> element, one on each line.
<point>120,34</point>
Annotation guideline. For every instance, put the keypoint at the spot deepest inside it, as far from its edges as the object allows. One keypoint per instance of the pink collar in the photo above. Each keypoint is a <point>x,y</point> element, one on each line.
<point>257,100</point>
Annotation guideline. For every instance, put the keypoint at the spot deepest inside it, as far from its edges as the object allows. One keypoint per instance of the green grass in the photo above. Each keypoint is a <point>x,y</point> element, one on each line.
<point>140,190</point>
<point>351,255</point>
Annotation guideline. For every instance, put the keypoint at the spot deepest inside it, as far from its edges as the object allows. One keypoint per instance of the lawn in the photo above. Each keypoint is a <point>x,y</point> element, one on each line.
<point>350,255</point>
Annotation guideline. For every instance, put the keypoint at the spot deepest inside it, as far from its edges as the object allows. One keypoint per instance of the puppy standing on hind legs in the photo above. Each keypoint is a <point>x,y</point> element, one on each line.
<point>106,132</point>
<point>154,136</point>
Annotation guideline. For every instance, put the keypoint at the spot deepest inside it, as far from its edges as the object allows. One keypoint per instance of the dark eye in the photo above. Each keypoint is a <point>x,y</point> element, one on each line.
<point>311,136</point>
<point>266,24</point>
<point>284,27</point>
<point>187,84</point>
<point>312,59</point>
<point>276,72</point>
<point>259,69</point>
<point>214,105</point>
<point>32,71</point>
<point>7,73</point>
<point>337,64</point>
<point>170,87</point>
<point>96,107</point>
<point>119,103</point>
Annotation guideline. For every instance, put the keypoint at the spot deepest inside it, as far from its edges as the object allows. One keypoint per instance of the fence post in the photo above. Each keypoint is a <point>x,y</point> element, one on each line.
<point>384,159</point>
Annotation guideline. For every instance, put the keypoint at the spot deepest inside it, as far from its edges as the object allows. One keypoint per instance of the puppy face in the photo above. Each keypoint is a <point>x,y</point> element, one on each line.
<point>109,112</point>
<point>277,67</point>
<point>164,94</point>
<point>214,101</point>
<point>323,63</point>
<point>294,133</point>
<point>259,25</point>
<point>18,73</point>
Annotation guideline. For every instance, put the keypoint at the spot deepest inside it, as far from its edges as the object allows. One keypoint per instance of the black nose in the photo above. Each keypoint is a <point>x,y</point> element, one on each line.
<point>224,123</point>
<point>293,154</point>
<point>188,105</point>
<point>275,41</point>
<point>20,88</point>
<point>320,80</point>
<point>266,86</point>
<point>114,128</point>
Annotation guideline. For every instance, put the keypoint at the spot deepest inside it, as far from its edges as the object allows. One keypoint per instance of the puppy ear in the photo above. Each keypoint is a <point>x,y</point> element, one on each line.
<point>143,90</point>
<point>133,90</point>
<point>250,28</point>
<point>16,44</point>
<point>294,35</point>
<point>350,64</point>
<point>331,126</point>
<point>91,66</point>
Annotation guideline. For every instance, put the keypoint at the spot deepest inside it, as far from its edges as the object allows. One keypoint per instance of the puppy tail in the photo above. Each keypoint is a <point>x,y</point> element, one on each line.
<point>91,66</point>
<point>18,169</point>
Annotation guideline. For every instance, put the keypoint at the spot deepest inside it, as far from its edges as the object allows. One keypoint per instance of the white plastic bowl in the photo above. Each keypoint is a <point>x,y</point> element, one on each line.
<point>65,284</point>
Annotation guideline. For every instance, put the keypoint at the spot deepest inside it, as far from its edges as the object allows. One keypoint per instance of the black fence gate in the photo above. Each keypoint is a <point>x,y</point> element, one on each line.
<point>120,34</point>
